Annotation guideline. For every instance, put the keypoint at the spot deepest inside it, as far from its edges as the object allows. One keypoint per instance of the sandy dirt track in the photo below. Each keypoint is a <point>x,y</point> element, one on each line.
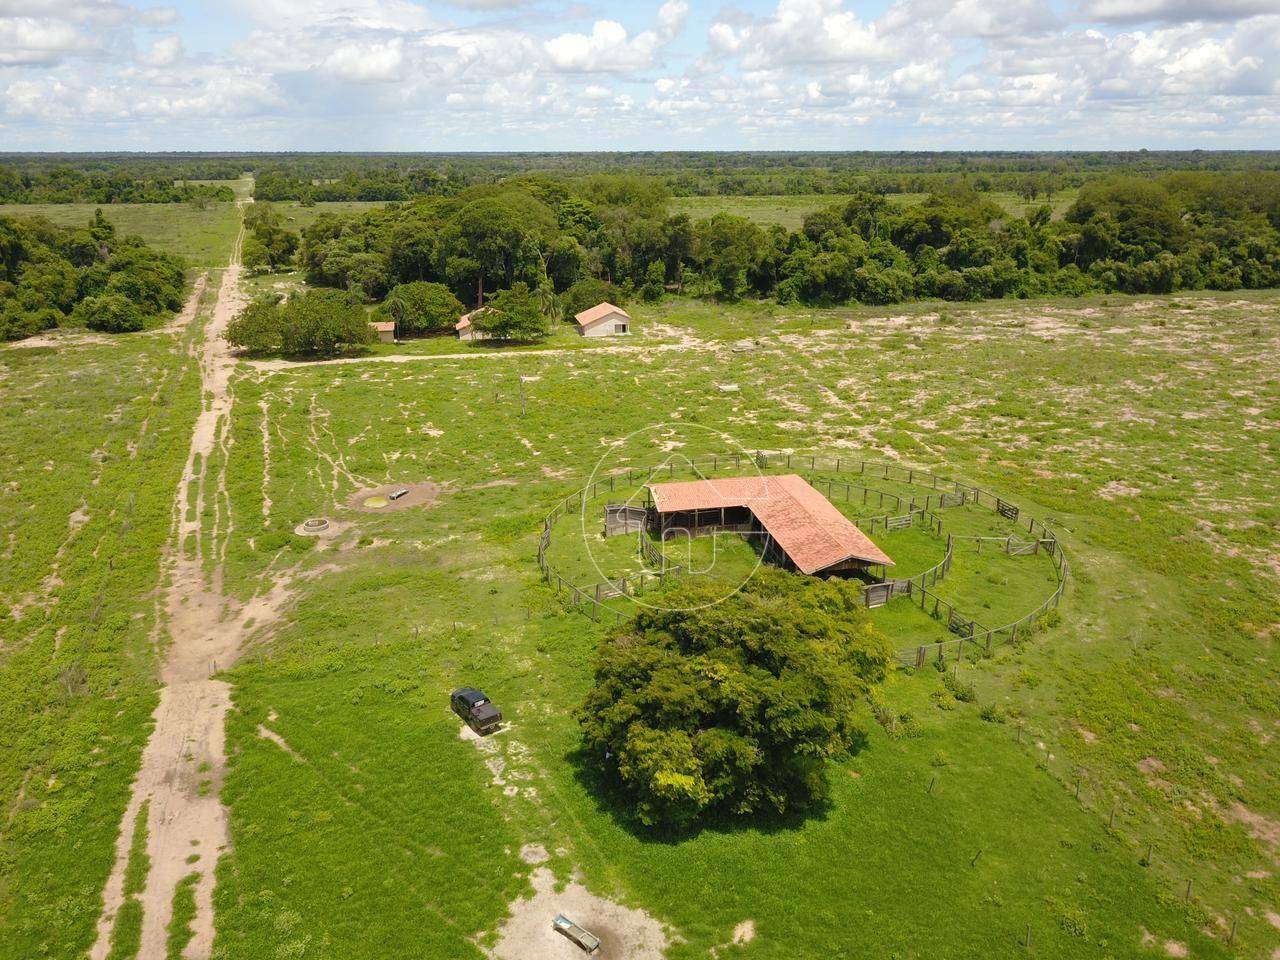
<point>184,760</point>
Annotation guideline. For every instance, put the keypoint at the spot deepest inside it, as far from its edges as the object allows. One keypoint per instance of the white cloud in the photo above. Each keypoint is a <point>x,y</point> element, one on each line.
<point>800,73</point>
<point>367,62</point>
<point>164,52</point>
<point>1173,11</point>
<point>608,48</point>
<point>40,40</point>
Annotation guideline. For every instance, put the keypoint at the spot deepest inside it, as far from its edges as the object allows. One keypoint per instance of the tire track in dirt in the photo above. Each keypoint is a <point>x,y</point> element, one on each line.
<point>185,758</point>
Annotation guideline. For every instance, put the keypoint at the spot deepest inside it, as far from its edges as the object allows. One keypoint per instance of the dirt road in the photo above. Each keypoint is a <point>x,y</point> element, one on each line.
<point>184,760</point>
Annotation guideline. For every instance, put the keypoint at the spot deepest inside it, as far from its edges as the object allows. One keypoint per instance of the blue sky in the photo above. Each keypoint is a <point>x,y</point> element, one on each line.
<point>653,74</point>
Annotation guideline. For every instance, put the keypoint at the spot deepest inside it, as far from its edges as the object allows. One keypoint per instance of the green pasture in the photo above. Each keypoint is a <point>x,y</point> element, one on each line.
<point>93,436</point>
<point>299,217</point>
<point>1069,785</point>
<point>202,235</point>
<point>1045,403</point>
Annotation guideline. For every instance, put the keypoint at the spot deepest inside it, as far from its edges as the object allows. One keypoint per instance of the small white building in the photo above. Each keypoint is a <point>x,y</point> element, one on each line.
<point>603,320</point>
<point>385,329</point>
<point>466,330</point>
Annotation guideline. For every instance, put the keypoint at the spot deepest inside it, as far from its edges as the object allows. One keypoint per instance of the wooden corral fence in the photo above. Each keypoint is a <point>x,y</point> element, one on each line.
<point>969,630</point>
<point>620,518</point>
<point>944,492</point>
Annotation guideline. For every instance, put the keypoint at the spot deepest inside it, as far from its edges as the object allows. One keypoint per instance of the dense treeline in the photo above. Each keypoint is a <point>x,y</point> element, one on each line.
<point>311,178</point>
<point>67,185</point>
<point>1176,232</point>
<point>369,185</point>
<point>315,177</point>
<point>54,276</point>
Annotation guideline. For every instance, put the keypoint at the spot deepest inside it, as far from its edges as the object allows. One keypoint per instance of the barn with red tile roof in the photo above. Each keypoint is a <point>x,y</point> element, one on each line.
<point>802,528</point>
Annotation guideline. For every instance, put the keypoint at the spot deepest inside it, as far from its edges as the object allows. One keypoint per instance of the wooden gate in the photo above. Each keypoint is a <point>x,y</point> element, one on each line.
<point>620,518</point>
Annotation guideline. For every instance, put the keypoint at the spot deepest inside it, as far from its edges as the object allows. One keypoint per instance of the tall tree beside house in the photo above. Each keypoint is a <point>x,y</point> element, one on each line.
<point>420,307</point>
<point>514,314</point>
<point>589,291</point>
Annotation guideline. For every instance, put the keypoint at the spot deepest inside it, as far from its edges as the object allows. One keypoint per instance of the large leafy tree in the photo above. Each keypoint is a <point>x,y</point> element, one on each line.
<point>733,707</point>
<point>514,314</point>
<point>421,307</point>
<point>317,323</point>
<point>257,328</point>
<point>323,322</point>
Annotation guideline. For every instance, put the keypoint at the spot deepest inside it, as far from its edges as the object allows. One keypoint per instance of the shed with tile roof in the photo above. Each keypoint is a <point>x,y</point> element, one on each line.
<point>802,527</point>
<point>603,320</point>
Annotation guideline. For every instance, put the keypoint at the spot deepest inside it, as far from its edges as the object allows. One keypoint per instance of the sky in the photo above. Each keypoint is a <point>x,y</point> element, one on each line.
<point>639,75</point>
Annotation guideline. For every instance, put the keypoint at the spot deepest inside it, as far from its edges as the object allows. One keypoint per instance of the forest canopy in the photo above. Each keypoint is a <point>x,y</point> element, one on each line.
<point>1185,231</point>
<point>53,276</point>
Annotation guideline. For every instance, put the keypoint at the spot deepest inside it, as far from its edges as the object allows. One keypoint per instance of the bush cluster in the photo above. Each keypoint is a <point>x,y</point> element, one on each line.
<point>54,276</point>
<point>319,323</point>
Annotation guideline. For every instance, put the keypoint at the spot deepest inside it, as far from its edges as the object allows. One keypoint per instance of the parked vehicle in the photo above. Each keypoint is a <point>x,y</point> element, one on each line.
<point>476,709</point>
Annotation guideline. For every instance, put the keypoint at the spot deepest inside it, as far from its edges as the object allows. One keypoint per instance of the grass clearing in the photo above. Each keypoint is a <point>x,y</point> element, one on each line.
<point>93,435</point>
<point>1048,403</point>
<point>789,211</point>
<point>201,234</point>
<point>1144,428</point>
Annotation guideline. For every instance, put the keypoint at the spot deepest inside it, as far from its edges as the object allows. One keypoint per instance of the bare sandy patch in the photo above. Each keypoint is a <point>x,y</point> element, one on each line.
<point>180,775</point>
<point>1260,828</point>
<point>534,853</point>
<point>625,934</point>
<point>60,338</point>
<point>743,934</point>
<point>1175,948</point>
<point>378,499</point>
<point>1116,489</point>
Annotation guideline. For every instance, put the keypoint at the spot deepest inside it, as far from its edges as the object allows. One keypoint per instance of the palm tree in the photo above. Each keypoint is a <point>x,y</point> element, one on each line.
<point>549,303</point>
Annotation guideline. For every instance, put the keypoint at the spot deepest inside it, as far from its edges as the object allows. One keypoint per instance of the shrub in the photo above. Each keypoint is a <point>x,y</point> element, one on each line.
<point>109,313</point>
<point>964,692</point>
<point>733,706</point>
<point>992,713</point>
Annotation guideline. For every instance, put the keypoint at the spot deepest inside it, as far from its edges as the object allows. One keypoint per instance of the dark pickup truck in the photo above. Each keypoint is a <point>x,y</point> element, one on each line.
<point>474,707</point>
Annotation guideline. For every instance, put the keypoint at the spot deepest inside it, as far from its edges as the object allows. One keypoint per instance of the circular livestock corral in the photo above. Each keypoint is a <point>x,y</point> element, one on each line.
<point>967,571</point>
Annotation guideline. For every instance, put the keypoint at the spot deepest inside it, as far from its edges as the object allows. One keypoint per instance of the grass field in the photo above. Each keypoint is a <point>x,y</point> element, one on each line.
<point>202,237</point>
<point>790,211</point>
<point>93,434</point>
<point>1066,407</point>
<point>298,217</point>
<point>1144,428</point>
